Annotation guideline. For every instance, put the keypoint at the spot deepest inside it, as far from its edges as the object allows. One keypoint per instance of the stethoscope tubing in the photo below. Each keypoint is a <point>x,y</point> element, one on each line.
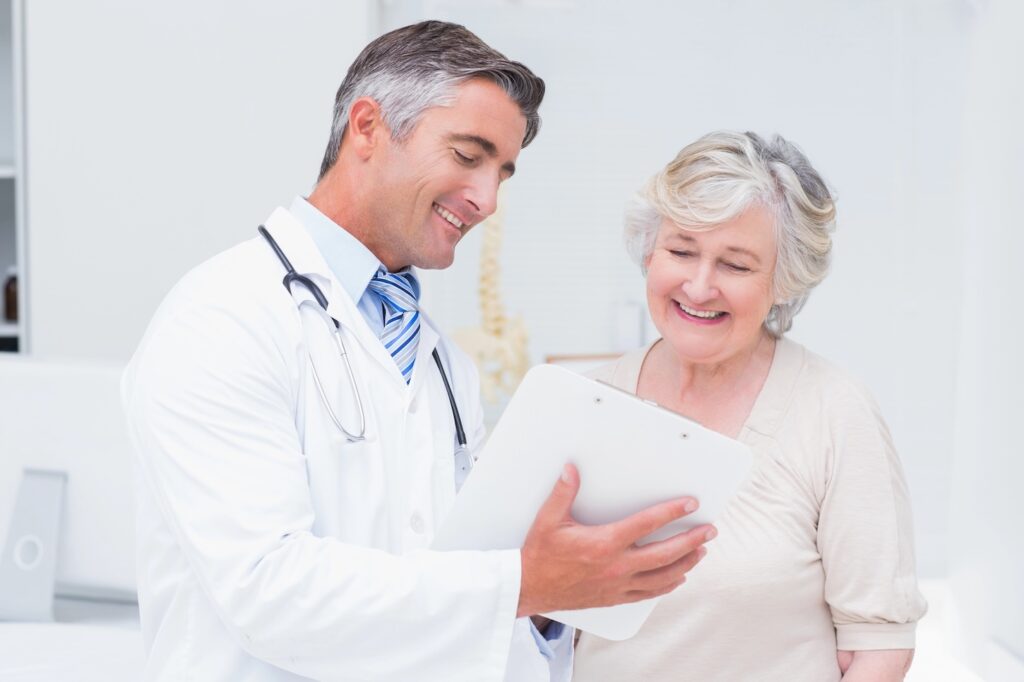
<point>460,435</point>
<point>291,277</point>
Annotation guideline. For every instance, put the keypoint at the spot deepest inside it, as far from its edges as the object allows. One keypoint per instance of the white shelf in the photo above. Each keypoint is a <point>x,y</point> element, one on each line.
<point>7,170</point>
<point>9,329</point>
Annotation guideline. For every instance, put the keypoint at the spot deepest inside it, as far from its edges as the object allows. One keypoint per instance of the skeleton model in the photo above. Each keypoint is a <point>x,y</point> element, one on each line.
<point>498,345</point>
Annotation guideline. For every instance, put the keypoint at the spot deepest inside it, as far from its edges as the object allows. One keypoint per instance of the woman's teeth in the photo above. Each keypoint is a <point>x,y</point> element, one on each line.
<point>448,215</point>
<point>703,314</point>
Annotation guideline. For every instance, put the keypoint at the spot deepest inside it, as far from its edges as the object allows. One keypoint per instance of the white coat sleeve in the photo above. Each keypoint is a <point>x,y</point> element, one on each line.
<point>211,401</point>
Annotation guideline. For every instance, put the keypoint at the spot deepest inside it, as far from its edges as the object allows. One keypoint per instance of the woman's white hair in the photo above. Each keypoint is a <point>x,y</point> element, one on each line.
<point>717,178</point>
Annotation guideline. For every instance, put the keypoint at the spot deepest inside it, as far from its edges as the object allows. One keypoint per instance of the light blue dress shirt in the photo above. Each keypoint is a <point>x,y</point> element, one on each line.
<point>354,266</point>
<point>352,263</point>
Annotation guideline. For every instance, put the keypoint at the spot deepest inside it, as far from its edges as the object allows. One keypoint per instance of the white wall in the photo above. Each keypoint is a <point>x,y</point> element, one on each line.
<point>159,134</point>
<point>870,90</point>
<point>987,535</point>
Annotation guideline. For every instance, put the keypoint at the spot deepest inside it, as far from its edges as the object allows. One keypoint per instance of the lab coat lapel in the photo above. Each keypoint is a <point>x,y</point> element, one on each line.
<point>300,249</point>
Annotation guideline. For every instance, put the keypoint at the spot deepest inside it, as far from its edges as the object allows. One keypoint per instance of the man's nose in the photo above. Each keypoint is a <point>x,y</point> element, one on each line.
<point>701,286</point>
<point>483,194</point>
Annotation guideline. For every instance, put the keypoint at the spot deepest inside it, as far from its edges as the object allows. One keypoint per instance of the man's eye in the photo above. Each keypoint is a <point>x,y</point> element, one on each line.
<point>462,158</point>
<point>681,254</point>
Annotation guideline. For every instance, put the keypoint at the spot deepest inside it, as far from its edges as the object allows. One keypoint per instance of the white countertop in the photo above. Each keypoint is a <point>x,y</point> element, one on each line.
<point>93,642</point>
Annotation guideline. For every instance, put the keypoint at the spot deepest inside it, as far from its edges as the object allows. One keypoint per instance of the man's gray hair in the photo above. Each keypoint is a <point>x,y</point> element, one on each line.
<point>717,178</point>
<point>416,67</point>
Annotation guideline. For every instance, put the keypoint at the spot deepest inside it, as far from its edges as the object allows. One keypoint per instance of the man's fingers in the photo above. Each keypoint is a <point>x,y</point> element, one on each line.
<point>645,522</point>
<point>640,595</point>
<point>666,552</point>
<point>668,576</point>
<point>556,508</point>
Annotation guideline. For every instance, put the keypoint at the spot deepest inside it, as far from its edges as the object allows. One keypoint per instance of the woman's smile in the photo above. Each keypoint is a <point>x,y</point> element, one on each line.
<point>700,316</point>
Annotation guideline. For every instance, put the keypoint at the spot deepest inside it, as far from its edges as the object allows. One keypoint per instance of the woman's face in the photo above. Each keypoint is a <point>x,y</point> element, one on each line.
<point>710,292</point>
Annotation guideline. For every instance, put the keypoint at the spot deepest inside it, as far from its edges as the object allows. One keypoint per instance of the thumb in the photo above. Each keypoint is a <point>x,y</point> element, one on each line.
<point>556,508</point>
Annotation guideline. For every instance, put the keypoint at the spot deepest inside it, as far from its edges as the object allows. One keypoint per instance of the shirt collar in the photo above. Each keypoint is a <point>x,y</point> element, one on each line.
<point>352,264</point>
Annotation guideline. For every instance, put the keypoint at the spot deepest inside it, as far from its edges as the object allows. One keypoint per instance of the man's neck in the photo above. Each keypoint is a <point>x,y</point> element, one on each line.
<point>331,198</point>
<point>337,195</point>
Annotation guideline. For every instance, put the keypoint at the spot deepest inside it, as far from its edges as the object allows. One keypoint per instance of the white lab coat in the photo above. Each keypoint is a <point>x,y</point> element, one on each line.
<point>270,547</point>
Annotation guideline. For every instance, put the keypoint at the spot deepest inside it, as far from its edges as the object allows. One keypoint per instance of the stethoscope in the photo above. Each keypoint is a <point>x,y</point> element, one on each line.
<point>463,460</point>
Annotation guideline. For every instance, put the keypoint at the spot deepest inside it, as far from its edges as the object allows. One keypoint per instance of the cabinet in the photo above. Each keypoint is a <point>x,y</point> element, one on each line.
<point>12,242</point>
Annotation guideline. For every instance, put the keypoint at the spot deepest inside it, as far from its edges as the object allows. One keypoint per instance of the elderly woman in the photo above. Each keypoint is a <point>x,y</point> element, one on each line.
<point>812,575</point>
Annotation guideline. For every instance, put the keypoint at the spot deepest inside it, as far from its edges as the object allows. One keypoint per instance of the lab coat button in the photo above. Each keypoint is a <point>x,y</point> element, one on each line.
<point>416,523</point>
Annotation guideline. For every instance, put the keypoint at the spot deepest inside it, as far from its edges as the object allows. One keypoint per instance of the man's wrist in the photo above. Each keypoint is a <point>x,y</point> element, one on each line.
<point>525,608</point>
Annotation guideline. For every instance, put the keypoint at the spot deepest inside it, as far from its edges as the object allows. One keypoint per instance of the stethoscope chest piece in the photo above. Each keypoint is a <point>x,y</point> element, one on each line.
<point>463,465</point>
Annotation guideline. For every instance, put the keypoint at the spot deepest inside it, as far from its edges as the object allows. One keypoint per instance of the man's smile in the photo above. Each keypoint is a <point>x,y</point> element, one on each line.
<point>448,215</point>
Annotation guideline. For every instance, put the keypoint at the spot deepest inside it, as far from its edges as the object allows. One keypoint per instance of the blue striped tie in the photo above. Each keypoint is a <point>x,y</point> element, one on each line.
<point>401,333</point>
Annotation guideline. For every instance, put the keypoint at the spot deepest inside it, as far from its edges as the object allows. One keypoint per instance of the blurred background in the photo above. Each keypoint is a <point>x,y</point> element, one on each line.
<point>138,139</point>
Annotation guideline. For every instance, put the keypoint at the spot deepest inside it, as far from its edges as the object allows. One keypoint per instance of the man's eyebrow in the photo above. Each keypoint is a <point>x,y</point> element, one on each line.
<point>489,148</point>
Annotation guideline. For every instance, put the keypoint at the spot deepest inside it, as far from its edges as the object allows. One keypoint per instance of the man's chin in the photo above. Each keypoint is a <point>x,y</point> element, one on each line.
<point>437,261</point>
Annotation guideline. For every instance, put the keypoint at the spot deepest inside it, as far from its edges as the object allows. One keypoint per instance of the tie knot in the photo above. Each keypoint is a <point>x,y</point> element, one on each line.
<point>398,292</point>
<point>398,289</point>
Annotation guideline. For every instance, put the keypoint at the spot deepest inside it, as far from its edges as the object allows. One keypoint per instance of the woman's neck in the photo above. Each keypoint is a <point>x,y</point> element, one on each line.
<point>718,395</point>
<point>709,378</point>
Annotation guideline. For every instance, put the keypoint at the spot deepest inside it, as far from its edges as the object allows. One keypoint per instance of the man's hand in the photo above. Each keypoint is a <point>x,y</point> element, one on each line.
<point>567,565</point>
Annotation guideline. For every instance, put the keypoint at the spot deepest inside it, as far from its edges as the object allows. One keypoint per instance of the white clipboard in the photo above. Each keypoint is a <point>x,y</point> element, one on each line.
<point>630,454</point>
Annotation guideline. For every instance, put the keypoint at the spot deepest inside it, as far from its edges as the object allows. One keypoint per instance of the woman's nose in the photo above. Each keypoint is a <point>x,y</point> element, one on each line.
<point>700,287</point>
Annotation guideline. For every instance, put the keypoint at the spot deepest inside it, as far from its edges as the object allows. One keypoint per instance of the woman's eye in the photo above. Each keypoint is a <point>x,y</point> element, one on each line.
<point>737,268</point>
<point>680,254</point>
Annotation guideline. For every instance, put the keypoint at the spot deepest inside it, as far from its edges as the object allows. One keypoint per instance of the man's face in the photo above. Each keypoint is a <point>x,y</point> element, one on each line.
<point>431,188</point>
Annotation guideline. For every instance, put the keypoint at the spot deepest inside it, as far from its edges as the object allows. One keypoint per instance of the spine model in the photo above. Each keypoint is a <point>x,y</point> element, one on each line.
<point>499,345</point>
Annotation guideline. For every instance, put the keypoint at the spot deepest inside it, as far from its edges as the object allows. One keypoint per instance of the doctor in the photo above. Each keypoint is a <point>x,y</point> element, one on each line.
<point>297,447</point>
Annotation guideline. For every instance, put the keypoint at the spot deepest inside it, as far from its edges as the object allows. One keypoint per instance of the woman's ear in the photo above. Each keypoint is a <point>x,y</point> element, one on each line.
<point>647,262</point>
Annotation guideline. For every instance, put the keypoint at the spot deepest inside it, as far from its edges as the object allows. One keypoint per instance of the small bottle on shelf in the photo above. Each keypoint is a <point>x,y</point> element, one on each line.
<point>11,295</point>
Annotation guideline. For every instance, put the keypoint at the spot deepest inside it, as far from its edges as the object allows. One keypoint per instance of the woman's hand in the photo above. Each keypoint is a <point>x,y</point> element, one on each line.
<point>888,665</point>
